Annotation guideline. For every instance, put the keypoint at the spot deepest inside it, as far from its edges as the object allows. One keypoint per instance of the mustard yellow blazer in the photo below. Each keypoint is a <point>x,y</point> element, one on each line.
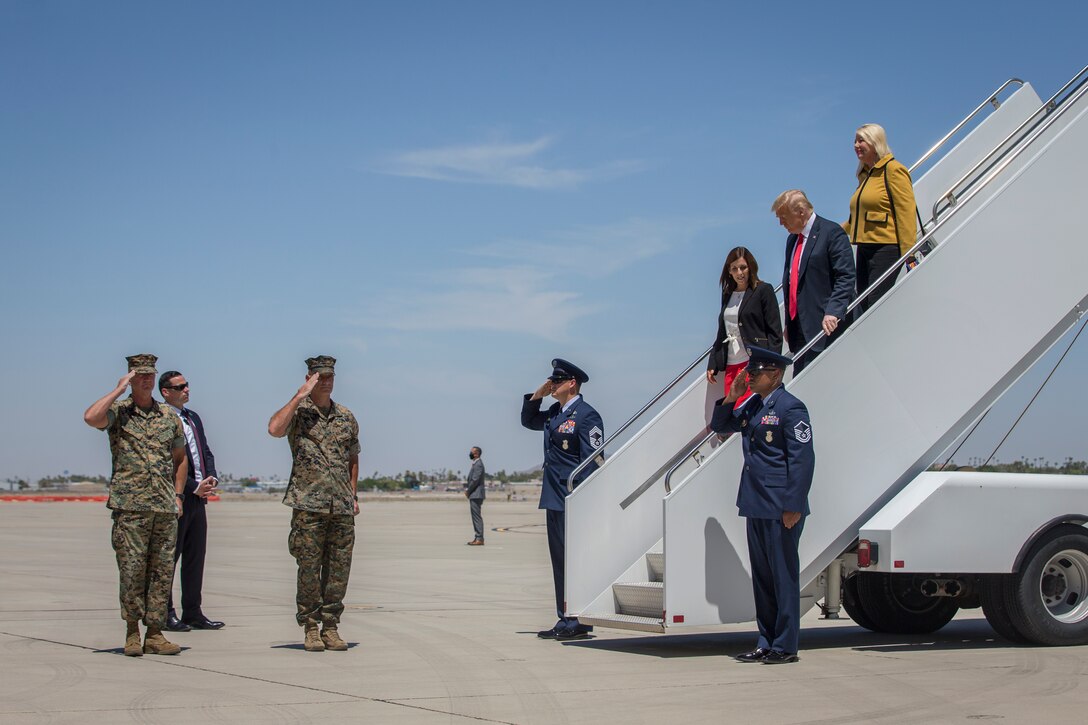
<point>882,208</point>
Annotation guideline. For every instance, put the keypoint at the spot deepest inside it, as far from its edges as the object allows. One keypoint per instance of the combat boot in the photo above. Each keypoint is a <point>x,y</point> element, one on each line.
<point>332,640</point>
<point>132,640</point>
<point>156,644</point>
<point>313,641</point>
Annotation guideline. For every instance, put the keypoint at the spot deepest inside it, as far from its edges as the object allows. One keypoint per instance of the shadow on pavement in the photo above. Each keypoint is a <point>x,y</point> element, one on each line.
<point>963,635</point>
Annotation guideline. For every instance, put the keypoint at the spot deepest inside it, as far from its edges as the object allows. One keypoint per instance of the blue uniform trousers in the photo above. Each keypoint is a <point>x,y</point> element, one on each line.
<point>557,537</point>
<point>772,551</point>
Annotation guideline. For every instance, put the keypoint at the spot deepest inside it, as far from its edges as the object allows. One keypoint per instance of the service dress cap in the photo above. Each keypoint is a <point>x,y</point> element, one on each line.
<point>761,359</point>
<point>563,370</point>
<point>143,363</point>
<point>324,364</point>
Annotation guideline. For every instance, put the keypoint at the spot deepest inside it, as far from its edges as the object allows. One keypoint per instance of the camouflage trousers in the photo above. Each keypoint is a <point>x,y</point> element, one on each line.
<point>322,545</point>
<point>144,544</point>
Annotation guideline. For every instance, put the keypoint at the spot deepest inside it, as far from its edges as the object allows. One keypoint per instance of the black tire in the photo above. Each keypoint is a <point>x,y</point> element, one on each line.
<point>852,604</point>
<point>992,593</point>
<point>895,604</point>
<point>1048,598</point>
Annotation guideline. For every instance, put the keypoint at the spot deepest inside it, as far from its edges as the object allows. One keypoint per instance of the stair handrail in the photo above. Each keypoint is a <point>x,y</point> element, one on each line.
<point>1047,108</point>
<point>990,101</point>
<point>694,449</point>
<point>1010,155</point>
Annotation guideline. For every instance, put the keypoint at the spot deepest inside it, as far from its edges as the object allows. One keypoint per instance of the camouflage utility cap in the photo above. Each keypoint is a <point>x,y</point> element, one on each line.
<point>323,364</point>
<point>143,363</point>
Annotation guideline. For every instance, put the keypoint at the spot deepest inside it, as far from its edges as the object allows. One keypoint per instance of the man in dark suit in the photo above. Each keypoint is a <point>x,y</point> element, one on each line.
<point>573,432</point>
<point>818,278</point>
<point>474,492</point>
<point>773,496</point>
<point>193,524</point>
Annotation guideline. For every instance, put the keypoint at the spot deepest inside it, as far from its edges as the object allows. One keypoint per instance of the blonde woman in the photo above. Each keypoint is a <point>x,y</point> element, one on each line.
<point>882,223</point>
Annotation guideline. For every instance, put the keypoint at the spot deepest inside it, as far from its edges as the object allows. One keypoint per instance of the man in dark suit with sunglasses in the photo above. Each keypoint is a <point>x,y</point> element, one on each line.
<point>193,524</point>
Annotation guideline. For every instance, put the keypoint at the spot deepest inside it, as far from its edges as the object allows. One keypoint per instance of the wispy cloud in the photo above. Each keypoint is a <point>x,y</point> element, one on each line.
<point>507,164</point>
<point>510,299</point>
<point>602,249</point>
<point>519,293</point>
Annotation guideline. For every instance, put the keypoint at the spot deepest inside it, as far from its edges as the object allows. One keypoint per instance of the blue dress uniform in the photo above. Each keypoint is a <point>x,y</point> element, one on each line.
<point>571,435</point>
<point>778,465</point>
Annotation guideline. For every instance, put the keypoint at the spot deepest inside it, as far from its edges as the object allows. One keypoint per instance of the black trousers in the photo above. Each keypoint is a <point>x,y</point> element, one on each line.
<point>191,547</point>
<point>873,261</point>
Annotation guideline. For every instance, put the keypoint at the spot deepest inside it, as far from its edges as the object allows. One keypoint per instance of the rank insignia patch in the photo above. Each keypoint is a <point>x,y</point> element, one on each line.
<point>802,432</point>
<point>596,437</point>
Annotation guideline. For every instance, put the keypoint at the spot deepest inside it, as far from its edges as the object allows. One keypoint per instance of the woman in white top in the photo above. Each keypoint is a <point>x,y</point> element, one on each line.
<point>749,316</point>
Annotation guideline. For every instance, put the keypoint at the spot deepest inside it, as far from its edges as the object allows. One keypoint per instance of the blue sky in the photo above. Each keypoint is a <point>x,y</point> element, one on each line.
<point>442,195</point>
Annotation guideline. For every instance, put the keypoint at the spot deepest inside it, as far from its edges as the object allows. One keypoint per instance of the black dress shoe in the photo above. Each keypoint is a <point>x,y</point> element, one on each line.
<point>566,635</point>
<point>755,655</point>
<point>774,657</point>
<point>203,622</point>
<point>174,624</point>
<point>554,632</point>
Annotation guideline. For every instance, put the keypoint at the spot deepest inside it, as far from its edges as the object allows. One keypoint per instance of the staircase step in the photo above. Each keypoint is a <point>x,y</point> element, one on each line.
<point>641,599</point>
<point>657,566</point>
<point>623,621</point>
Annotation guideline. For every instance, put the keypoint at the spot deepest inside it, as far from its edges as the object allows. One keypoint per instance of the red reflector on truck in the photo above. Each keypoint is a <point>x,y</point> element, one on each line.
<point>678,619</point>
<point>899,564</point>
<point>866,553</point>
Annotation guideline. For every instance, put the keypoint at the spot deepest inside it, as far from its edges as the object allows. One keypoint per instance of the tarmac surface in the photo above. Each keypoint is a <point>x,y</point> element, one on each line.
<point>445,633</point>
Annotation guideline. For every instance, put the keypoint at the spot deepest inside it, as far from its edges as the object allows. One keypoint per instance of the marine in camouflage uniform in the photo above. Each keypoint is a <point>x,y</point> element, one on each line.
<point>324,439</point>
<point>149,468</point>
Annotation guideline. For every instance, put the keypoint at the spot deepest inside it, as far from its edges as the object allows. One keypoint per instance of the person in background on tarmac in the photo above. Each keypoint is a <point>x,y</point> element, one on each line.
<point>573,432</point>
<point>475,492</point>
<point>749,316</point>
<point>773,497</point>
<point>149,470</point>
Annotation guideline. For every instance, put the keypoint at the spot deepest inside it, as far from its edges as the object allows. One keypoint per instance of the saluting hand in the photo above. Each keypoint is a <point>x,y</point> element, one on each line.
<point>737,388</point>
<point>544,390</point>
<point>126,380</point>
<point>309,385</point>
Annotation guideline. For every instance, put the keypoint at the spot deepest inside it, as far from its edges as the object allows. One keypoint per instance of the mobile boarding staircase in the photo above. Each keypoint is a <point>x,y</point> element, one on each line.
<point>653,537</point>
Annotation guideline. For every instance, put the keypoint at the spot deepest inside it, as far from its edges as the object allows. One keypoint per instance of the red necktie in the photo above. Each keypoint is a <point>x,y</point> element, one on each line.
<point>794,268</point>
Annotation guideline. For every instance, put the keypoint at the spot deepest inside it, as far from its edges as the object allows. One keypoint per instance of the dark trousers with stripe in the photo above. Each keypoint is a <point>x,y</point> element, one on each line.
<point>772,551</point>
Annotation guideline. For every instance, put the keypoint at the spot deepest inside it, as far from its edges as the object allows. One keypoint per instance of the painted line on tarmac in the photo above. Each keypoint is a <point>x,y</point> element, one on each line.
<point>382,700</point>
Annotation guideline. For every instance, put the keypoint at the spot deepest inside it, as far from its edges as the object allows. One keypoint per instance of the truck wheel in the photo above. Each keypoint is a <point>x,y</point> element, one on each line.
<point>1048,597</point>
<point>992,593</point>
<point>895,603</point>
<point>852,604</point>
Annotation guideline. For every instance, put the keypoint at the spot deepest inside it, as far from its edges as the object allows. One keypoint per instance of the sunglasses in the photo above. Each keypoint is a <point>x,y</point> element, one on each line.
<point>178,388</point>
